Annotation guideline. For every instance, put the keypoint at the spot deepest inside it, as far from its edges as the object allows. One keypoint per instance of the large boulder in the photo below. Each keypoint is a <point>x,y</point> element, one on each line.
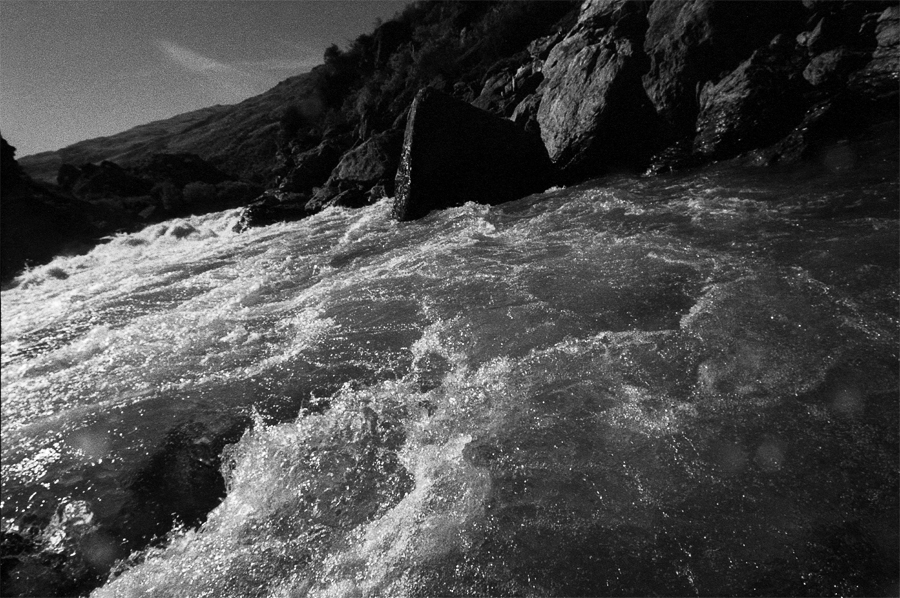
<point>753,106</point>
<point>690,42</point>
<point>594,110</point>
<point>454,153</point>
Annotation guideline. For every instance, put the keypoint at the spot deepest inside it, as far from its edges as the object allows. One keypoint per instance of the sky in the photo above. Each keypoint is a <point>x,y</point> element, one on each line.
<point>77,69</point>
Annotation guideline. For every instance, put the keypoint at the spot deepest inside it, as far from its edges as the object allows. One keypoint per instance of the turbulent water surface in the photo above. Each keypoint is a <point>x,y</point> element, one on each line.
<point>678,386</point>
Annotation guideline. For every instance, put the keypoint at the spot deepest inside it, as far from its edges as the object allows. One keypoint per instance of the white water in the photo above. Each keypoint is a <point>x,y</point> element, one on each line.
<point>666,386</point>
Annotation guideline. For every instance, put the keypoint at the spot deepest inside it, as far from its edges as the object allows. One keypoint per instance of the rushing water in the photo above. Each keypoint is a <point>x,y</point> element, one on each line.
<point>679,386</point>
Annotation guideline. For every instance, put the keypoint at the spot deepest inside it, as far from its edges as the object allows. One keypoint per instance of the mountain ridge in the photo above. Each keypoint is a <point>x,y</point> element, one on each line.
<point>214,133</point>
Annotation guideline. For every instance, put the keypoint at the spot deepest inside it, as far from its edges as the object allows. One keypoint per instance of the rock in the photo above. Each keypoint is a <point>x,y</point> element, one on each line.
<point>454,153</point>
<point>525,114</point>
<point>831,68</point>
<point>886,57</point>
<point>373,162</point>
<point>11,174</point>
<point>181,482</point>
<point>540,48</point>
<point>351,198</point>
<point>690,42</point>
<point>755,105</point>
<point>494,97</point>
<point>311,168</point>
<point>678,156</point>
<point>593,109</point>
<point>271,208</point>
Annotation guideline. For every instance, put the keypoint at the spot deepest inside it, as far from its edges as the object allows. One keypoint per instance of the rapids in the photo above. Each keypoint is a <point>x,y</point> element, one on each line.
<point>682,385</point>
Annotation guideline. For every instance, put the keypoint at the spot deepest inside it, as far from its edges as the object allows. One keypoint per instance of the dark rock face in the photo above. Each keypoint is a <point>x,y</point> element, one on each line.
<point>832,67</point>
<point>755,105</point>
<point>454,153</point>
<point>36,223</point>
<point>885,59</point>
<point>311,168</point>
<point>690,42</point>
<point>593,109</point>
<point>372,163</point>
<point>10,173</point>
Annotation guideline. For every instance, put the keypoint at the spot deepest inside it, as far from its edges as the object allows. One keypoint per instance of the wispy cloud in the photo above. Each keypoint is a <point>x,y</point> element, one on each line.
<point>233,82</point>
<point>191,60</point>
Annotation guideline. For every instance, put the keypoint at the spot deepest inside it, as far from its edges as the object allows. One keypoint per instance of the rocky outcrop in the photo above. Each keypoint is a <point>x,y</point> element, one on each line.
<point>593,110</point>
<point>755,105</point>
<point>305,170</point>
<point>370,166</point>
<point>454,153</point>
<point>690,42</point>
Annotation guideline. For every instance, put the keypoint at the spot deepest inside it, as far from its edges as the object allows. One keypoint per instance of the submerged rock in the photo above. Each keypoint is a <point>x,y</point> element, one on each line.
<point>271,208</point>
<point>454,152</point>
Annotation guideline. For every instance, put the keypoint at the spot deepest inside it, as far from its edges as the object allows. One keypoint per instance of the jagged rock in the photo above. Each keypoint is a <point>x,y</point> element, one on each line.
<point>886,57</point>
<point>593,108</point>
<point>540,48</point>
<point>755,105</point>
<point>373,162</point>
<point>494,96</point>
<point>454,153</point>
<point>370,164</point>
<point>832,67</point>
<point>312,167</point>
<point>271,208</point>
<point>525,114</point>
<point>690,42</point>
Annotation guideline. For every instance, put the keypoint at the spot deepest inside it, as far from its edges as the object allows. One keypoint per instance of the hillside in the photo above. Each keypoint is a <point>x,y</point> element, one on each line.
<point>239,139</point>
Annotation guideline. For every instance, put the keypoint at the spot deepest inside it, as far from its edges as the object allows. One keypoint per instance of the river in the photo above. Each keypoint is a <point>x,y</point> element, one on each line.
<point>680,385</point>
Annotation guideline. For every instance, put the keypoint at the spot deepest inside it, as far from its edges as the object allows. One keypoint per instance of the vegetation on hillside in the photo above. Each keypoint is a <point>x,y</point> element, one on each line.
<point>453,46</point>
